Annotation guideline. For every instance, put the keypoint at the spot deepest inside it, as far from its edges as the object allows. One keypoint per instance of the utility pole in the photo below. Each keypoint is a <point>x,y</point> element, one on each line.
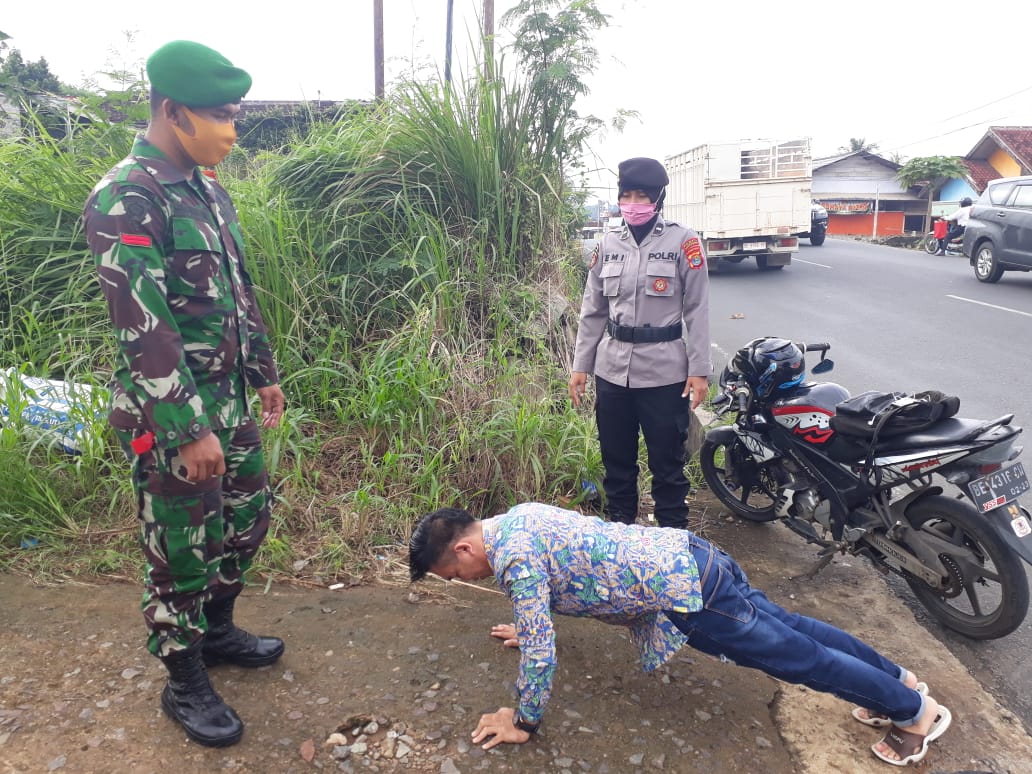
<point>488,39</point>
<point>448,44</point>
<point>378,47</point>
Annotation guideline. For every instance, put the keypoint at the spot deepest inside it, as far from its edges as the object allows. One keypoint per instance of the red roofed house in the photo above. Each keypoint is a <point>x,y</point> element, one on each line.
<point>1004,151</point>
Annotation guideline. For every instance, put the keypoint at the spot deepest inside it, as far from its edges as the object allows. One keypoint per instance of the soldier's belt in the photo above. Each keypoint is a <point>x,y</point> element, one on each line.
<point>645,334</point>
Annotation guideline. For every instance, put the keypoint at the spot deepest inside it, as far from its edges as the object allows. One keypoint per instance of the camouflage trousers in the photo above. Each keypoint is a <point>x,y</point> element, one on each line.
<point>198,538</point>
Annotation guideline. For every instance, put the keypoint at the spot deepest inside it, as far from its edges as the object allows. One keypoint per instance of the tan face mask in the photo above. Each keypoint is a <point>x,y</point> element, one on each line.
<point>211,141</point>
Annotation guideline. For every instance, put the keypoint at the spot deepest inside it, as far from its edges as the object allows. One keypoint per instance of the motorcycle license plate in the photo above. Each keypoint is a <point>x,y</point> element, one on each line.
<point>999,488</point>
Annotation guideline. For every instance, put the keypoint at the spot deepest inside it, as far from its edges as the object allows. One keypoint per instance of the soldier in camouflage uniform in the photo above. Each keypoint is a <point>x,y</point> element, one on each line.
<point>170,259</point>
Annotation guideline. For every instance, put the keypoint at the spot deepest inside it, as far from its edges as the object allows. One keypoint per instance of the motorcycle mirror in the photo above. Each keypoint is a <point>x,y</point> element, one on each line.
<point>823,367</point>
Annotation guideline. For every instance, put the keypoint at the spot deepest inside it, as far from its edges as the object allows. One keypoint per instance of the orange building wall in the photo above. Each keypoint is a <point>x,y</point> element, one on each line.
<point>1002,162</point>
<point>889,224</point>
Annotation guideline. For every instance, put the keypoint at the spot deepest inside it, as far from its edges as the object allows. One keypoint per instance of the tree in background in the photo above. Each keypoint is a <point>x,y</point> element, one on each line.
<point>25,77</point>
<point>552,41</point>
<point>932,172</point>
<point>859,144</point>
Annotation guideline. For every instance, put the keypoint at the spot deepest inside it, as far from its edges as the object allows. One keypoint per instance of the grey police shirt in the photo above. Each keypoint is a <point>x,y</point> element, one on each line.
<point>658,283</point>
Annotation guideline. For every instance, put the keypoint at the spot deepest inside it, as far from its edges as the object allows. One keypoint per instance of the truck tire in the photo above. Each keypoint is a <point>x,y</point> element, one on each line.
<point>764,265</point>
<point>817,240</point>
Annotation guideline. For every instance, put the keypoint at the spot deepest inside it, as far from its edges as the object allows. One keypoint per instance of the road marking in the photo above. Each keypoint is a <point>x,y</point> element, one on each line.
<point>800,260</point>
<point>991,306</point>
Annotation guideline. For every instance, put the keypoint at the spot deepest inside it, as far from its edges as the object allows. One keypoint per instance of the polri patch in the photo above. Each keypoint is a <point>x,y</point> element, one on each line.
<point>692,250</point>
<point>135,240</point>
<point>660,285</point>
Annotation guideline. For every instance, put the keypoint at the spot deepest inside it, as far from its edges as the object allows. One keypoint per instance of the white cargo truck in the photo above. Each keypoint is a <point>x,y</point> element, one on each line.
<point>746,199</point>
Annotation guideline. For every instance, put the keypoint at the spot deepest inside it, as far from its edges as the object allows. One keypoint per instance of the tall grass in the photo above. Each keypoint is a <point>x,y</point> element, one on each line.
<point>400,260</point>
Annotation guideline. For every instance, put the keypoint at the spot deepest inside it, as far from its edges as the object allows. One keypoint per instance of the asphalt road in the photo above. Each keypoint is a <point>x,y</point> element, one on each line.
<point>899,319</point>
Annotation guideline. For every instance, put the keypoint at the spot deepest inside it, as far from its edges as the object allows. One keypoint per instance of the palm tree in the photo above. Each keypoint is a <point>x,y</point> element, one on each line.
<point>859,144</point>
<point>932,171</point>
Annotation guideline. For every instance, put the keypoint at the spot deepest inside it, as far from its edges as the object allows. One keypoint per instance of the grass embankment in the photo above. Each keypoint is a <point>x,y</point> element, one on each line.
<point>415,276</point>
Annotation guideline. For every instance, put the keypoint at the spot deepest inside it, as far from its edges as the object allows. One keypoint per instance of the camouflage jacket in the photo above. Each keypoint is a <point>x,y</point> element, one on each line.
<point>170,258</point>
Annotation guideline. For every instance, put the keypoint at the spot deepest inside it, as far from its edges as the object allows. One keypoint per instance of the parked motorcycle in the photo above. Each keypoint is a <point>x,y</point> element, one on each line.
<point>787,458</point>
<point>930,244</point>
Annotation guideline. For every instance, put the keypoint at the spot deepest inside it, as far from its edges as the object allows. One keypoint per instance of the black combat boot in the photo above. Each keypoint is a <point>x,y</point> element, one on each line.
<point>189,698</point>
<point>226,643</point>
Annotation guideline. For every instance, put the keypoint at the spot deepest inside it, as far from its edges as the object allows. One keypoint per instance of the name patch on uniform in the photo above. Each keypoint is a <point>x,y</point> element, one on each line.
<point>135,240</point>
<point>660,285</point>
<point>692,250</point>
<point>610,257</point>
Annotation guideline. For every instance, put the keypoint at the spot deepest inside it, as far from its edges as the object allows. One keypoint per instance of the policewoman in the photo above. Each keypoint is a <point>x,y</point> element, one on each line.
<point>169,254</point>
<point>644,334</point>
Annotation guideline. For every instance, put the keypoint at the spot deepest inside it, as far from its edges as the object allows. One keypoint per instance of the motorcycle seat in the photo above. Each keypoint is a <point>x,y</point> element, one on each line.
<point>946,431</point>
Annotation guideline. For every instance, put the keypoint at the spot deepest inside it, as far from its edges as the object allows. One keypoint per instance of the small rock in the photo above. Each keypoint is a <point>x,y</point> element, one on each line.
<point>764,743</point>
<point>288,676</point>
<point>86,714</point>
<point>371,728</point>
<point>104,703</point>
<point>636,759</point>
<point>448,767</point>
<point>295,715</point>
<point>702,715</point>
<point>341,752</point>
<point>308,750</point>
<point>57,763</point>
<point>659,761</point>
<point>402,750</point>
<point>335,739</point>
<point>359,748</point>
<point>130,673</point>
<point>564,763</point>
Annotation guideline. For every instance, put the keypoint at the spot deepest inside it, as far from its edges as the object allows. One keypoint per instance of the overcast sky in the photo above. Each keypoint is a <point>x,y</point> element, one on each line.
<point>918,78</point>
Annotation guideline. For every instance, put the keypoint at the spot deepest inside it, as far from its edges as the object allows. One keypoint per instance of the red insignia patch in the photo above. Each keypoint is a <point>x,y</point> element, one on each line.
<point>209,173</point>
<point>135,240</point>
<point>659,285</point>
<point>692,250</point>
<point>594,256</point>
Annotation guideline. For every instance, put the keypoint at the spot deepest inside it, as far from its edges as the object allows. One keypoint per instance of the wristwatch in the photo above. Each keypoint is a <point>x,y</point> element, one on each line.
<point>523,725</point>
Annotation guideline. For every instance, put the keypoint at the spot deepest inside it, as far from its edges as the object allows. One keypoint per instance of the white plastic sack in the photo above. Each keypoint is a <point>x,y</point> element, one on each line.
<point>68,412</point>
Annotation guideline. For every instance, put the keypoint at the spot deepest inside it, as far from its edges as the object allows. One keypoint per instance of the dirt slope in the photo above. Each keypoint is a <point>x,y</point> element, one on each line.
<point>412,671</point>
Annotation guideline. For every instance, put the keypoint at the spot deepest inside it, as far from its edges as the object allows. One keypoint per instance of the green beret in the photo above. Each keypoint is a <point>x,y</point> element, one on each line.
<point>196,75</point>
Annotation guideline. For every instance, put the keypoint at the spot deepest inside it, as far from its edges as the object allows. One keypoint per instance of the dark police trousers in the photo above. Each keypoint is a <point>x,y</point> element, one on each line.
<point>663,416</point>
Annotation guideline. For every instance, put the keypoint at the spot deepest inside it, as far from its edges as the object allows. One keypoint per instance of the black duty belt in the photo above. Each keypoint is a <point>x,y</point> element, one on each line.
<point>645,334</point>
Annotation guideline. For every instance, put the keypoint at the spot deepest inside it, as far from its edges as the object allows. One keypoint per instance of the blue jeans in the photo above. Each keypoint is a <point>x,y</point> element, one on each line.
<point>739,624</point>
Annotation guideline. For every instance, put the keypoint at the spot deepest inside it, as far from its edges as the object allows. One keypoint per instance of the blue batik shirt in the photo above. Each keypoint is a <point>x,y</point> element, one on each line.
<point>549,559</point>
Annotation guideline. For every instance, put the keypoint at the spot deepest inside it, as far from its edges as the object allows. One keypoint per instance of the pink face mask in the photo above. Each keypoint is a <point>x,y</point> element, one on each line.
<point>637,214</point>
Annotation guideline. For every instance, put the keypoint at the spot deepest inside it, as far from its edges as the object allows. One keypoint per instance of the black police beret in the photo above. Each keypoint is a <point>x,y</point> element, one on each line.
<point>641,173</point>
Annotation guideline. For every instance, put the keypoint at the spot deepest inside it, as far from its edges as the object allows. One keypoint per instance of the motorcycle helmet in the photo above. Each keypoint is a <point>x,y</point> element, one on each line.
<point>769,364</point>
<point>965,202</point>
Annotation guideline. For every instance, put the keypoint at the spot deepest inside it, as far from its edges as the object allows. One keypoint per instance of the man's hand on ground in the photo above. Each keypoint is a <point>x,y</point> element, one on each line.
<point>497,727</point>
<point>506,633</point>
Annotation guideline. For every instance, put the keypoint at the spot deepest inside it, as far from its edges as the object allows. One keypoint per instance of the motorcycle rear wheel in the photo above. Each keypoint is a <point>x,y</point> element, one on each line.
<point>746,487</point>
<point>930,245</point>
<point>987,598</point>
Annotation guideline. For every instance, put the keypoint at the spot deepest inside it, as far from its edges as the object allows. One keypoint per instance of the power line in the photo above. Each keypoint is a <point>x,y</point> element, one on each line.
<point>952,131</point>
<point>987,104</point>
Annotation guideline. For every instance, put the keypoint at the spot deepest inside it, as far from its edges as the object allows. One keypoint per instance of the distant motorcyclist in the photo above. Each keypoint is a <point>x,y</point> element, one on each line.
<point>958,220</point>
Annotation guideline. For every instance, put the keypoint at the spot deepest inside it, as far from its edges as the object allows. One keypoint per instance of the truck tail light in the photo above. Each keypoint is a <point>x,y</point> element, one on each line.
<point>788,242</point>
<point>717,245</point>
